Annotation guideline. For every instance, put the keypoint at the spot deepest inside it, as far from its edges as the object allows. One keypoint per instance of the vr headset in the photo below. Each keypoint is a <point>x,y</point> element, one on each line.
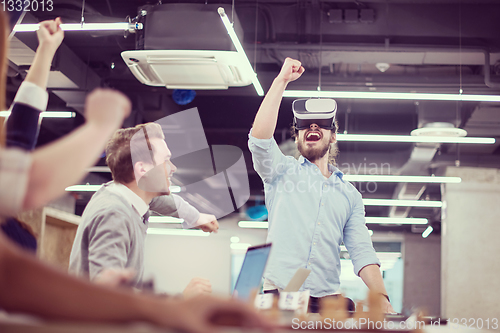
<point>319,111</point>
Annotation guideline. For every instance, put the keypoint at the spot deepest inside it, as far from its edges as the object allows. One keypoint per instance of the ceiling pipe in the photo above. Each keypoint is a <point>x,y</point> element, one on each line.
<point>380,48</point>
<point>487,78</point>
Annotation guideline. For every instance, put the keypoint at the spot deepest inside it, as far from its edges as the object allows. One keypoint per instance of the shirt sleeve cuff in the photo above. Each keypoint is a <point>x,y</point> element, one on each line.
<point>185,211</point>
<point>264,144</point>
<point>359,264</point>
<point>32,95</point>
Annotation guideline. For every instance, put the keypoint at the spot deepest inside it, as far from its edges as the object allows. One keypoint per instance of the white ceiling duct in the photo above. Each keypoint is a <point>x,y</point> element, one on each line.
<point>173,52</point>
<point>188,69</point>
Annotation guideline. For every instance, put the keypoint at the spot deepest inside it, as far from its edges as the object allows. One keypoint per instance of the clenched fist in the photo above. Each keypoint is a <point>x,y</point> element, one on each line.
<point>49,34</point>
<point>291,70</point>
<point>107,108</point>
<point>207,223</point>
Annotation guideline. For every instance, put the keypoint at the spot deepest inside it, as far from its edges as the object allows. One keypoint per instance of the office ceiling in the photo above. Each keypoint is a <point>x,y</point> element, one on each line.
<point>430,46</point>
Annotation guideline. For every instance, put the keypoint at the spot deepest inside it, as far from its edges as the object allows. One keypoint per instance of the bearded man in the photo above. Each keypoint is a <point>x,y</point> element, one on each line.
<point>312,210</point>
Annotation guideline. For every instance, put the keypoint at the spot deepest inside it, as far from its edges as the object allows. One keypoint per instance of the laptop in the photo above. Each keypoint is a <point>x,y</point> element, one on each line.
<point>252,270</point>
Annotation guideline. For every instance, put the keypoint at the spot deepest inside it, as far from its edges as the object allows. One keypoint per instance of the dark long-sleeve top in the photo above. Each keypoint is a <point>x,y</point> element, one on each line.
<point>23,123</point>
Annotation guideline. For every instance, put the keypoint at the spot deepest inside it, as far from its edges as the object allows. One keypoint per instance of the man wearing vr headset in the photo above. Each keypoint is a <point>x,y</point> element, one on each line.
<point>312,210</point>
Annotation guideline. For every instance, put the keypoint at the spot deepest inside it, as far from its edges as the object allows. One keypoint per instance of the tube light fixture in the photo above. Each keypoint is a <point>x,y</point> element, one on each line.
<point>240,50</point>
<point>402,179</point>
<point>427,231</point>
<point>175,189</point>
<point>253,224</point>
<point>47,114</point>
<point>165,219</point>
<point>235,239</point>
<point>390,95</point>
<point>93,188</point>
<point>83,188</point>
<point>176,232</point>
<point>402,203</point>
<point>388,255</point>
<point>395,220</point>
<point>120,26</point>
<point>412,139</point>
<point>99,168</point>
<point>369,220</point>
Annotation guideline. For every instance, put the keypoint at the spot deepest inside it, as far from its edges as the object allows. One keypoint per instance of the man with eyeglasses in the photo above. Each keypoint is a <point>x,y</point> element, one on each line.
<point>312,210</point>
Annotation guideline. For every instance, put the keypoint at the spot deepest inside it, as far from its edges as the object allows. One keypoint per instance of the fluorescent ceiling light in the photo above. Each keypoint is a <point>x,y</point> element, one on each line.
<point>99,169</point>
<point>235,239</point>
<point>439,129</point>
<point>402,203</point>
<point>395,220</point>
<point>385,256</point>
<point>175,189</point>
<point>427,232</point>
<point>239,49</point>
<point>165,219</point>
<point>253,224</point>
<point>369,220</point>
<point>123,26</point>
<point>176,232</point>
<point>93,188</point>
<point>389,95</point>
<point>412,139</point>
<point>47,114</point>
<point>83,188</point>
<point>240,246</point>
<point>402,179</point>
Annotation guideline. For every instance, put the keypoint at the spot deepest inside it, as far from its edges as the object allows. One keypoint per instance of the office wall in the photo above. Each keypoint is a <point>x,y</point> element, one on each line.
<point>422,273</point>
<point>174,260</point>
<point>471,245</point>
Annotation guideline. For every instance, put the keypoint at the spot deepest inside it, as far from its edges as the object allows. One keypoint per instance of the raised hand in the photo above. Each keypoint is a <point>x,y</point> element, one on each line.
<point>50,34</point>
<point>291,70</point>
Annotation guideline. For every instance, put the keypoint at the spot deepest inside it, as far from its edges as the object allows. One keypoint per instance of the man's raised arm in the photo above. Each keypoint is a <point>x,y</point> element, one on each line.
<point>267,116</point>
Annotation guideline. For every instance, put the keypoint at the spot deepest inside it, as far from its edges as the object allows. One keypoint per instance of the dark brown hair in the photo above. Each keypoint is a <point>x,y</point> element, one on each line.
<point>119,150</point>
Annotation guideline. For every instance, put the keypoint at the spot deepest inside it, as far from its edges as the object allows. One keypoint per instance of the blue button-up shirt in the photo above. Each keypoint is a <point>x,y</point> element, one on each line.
<point>309,217</point>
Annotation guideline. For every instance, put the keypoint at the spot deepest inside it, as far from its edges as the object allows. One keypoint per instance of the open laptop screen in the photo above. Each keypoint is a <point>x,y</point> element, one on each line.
<point>252,270</point>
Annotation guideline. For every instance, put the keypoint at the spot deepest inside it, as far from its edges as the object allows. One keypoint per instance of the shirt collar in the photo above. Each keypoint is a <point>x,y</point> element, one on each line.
<point>333,169</point>
<point>133,199</point>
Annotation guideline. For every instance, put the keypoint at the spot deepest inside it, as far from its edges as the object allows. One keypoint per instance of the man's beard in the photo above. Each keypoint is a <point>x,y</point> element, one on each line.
<point>312,154</point>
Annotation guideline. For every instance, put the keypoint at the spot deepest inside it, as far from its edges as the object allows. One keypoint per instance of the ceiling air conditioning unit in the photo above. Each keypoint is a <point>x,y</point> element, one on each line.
<point>188,69</point>
<point>186,46</point>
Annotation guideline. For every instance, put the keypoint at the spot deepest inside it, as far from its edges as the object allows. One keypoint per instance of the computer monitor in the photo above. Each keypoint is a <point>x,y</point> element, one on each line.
<point>252,270</point>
